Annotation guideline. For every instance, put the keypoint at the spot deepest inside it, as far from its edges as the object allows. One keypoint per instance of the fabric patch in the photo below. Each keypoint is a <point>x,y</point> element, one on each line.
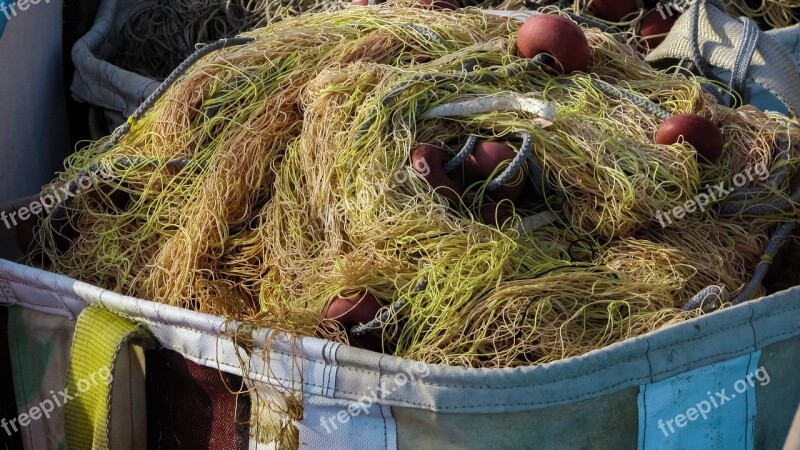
<point>760,97</point>
<point>606,422</point>
<point>39,348</point>
<point>190,406</point>
<point>710,407</point>
<point>344,425</point>
<point>779,400</point>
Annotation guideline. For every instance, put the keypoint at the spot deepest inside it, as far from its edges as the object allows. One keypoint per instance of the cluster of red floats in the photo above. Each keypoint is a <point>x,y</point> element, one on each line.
<point>569,51</point>
<point>566,44</point>
<point>487,159</point>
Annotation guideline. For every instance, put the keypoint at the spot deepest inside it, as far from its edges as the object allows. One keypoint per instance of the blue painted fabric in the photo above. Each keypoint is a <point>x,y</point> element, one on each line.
<point>5,14</point>
<point>710,407</point>
<point>759,97</point>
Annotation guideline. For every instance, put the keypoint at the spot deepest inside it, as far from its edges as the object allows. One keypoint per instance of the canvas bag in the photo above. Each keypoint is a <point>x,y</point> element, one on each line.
<point>636,394</point>
<point>767,62</point>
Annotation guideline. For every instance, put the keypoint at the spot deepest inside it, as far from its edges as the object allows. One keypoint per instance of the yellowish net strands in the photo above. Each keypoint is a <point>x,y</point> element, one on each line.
<point>275,176</point>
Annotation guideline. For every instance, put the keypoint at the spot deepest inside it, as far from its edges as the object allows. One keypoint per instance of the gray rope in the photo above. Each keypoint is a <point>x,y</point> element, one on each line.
<point>774,245</point>
<point>427,32</point>
<point>639,101</point>
<point>534,167</point>
<point>516,164</point>
<point>167,83</point>
<point>694,40</point>
<point>736,202</point>
<point>462,154</point>
<point>383,317</point>
<point>743,58</point>
<point>468,75</point>
<point>380,321</point>
<point>779,206</point>
<point>716,294</point>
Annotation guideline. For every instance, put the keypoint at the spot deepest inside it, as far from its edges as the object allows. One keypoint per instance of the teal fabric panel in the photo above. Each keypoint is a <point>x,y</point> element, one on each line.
<point>759,97</point>
<point>711,407</point>
<point>607,422</point>
<point>779,400</point>
<point>39,347</point>
<point>5,14</point>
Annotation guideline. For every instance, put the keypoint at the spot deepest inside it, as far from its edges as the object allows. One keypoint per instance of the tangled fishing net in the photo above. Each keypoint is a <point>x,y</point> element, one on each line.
<point>275,175</point>
<point>158,35</point>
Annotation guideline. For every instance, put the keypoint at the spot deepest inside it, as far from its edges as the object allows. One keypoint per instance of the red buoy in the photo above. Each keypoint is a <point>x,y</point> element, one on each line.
<point>697,131</point>
<point>483,162</point>
<point>428,161</point>
<point>655,26</point>
<point>496,214</point>
<point>612,10</point>
<point>441,5</point>
<point>557,36</point>
<point>353,309</point>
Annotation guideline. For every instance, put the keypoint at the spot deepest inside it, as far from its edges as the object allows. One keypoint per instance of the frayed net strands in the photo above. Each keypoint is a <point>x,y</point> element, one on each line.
<point>277,175</point>
<point>156,37</point>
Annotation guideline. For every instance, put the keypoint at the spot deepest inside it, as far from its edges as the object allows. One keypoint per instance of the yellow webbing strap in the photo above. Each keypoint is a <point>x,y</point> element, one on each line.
<point>99,336</point>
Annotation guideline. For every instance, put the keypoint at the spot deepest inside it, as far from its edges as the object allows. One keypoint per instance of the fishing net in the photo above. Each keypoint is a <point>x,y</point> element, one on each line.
<point>156,37</point>
<point>275,175</point>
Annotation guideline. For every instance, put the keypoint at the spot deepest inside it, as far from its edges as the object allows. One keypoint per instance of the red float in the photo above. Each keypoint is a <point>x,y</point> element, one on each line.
<point>557,36</point>
<point>697,131</point>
